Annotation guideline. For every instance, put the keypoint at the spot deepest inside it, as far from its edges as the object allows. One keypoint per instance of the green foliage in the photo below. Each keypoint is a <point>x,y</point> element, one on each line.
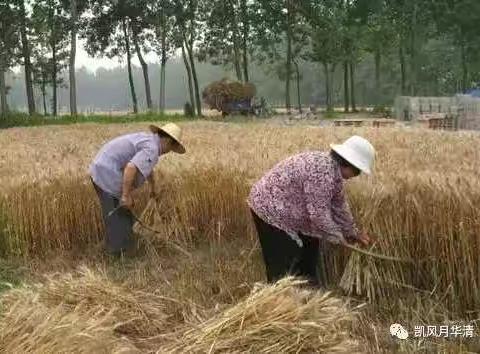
<point>332,115</point>
<point>418,47</point>
<point>8,35</point>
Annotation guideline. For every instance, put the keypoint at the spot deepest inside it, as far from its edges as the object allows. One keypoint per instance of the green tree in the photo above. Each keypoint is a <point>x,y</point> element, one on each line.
<point>50,24</point>
<point>327,39</point>
<point>141,43</point>
<point>227,35</point>
<point>74,10</point>
<point>41,73</point>
<point>8,48</point>
<point>109,33</point>
<point>413,23</point>
<point>280,38</point>
<point>189,25</point>
<point>161,19</point>
<point>380,38</point>
<point>24,22</point>
<point>460,20</point>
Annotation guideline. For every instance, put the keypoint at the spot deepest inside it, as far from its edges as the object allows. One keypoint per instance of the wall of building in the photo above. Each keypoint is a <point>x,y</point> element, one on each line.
<point>466,109</point>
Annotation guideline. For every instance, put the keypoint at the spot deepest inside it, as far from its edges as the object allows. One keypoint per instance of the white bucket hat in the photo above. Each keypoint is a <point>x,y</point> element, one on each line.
<point>175,132</point>
<point>357,151</point>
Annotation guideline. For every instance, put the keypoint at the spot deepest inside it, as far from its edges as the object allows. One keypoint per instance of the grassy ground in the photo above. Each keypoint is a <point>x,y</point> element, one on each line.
<point>421,204</point>
<point>24,120</point>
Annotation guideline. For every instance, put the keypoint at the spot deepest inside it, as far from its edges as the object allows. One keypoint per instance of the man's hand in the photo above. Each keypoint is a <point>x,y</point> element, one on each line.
<point>127,201</point>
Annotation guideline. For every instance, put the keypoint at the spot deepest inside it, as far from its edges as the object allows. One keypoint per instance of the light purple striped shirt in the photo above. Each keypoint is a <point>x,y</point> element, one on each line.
<point>141,149</point>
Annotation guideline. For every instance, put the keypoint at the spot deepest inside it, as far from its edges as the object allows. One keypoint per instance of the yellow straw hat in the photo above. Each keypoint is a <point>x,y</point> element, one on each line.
<point>174,132</point>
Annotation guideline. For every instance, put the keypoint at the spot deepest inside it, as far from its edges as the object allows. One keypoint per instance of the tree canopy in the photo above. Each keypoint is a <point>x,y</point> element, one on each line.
<point>350,51</point>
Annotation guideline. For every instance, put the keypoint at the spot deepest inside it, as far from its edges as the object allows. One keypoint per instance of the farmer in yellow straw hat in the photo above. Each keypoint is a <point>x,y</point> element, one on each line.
<point>301,201</point>
<point>122,165</point>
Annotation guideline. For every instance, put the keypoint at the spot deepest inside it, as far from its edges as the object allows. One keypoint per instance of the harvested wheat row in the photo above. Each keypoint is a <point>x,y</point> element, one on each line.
<point>281,318</point>
<point>135,313</point>
<point>28,326</point>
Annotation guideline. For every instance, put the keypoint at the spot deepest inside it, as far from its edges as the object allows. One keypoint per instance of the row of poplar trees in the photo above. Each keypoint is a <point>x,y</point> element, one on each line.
<point>41,36</point>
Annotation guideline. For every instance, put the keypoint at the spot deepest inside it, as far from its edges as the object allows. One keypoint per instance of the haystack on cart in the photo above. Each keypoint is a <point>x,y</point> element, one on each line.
<point>230,97</point>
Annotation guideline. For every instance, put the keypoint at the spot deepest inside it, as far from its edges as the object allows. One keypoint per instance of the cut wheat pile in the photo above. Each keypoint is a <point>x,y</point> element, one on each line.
<point>274,319</point>
<point>132,312</point>
<point>29,326</point>
<point>87,313</point>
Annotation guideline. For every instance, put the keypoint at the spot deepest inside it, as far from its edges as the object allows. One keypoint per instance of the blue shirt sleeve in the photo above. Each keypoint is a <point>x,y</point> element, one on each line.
<point>145,160</point>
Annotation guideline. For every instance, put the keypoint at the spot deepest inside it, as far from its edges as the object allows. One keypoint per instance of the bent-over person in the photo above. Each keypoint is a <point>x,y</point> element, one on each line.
<point>123,165</point>
<point>301,201</point>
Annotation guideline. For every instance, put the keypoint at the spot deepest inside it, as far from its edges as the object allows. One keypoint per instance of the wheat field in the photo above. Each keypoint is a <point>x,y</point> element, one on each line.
<point>189,290</point>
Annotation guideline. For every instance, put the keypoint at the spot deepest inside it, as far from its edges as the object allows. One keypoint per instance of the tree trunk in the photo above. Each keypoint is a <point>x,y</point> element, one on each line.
<point>352,87</point>
<point>288,71</point>
<point>3,89</point>
<point>413,53</point>
<point>377,76</point>
<point>195,78</point>
<point>246,30</point>
<point>299,98</point>
<point>44,95</point>
<point>162,31</point>
<point>144,66</point>
<point>236,58</point>
<point>26,60</point>
<point>464,67</point>
<point>162,85</point>
<point>73,50</point>
<point>189,76</point>
<point>332,86</point>
<point>346,95</point>
<point>54,71</point>
<point>163,66</point>
<point>163,63</point>
<point>129,66</point>
<point>236,49</point>
<point>327,88</point>
<point>403,70</point>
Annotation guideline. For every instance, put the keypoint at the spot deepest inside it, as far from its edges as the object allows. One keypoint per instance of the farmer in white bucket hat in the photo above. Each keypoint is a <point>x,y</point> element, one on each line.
<point>301,202</point>
<point>123,165</point>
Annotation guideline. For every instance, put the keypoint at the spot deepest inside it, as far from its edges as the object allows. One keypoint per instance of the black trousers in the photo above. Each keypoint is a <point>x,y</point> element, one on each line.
<point>283,256</point>
<point>118,226</point>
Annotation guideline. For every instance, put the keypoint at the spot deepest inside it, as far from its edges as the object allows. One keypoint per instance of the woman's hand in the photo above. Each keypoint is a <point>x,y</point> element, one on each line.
<point>364,239</point>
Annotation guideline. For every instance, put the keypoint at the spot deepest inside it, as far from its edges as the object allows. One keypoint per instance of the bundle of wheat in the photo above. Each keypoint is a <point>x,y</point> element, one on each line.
<point>281,318</point>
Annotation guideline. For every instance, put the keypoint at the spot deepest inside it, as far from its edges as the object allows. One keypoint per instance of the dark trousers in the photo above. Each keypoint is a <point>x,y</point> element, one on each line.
<point>283,256</point>
<point>118,226</point>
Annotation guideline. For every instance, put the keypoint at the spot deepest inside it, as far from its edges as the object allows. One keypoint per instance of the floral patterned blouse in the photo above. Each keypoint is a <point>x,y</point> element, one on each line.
<point>305,194</point>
